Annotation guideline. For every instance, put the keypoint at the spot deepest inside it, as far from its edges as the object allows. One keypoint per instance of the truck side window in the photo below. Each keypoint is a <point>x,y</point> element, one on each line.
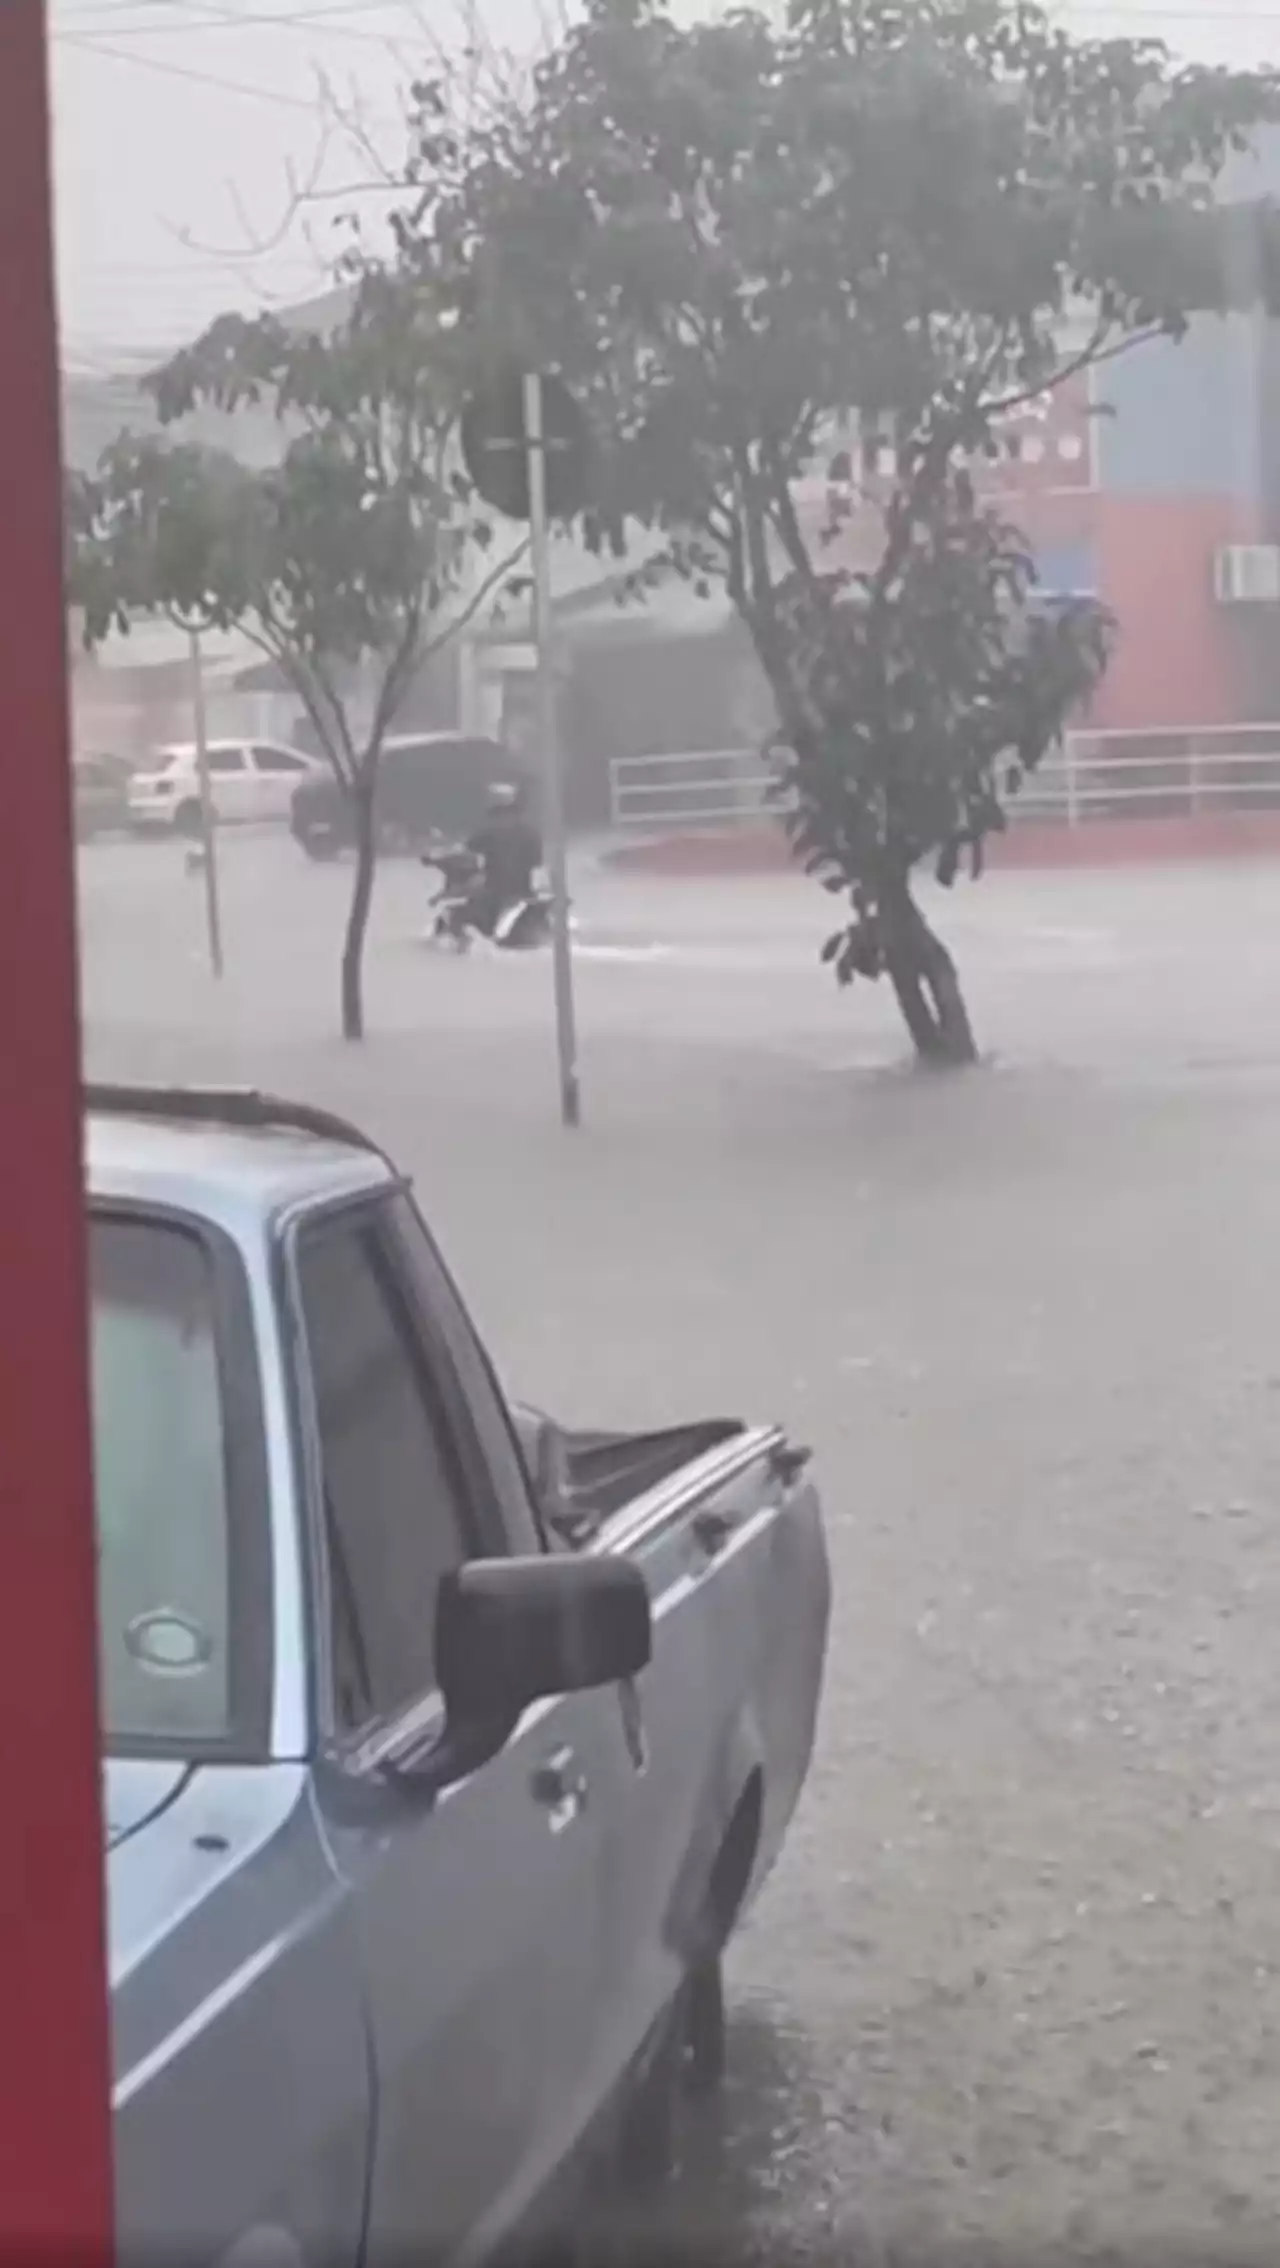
<point>477,1384</point>
<point>394,1500</point>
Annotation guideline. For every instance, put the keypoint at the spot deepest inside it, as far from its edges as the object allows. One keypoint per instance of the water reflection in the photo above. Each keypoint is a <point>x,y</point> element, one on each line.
<point>744,2157</point>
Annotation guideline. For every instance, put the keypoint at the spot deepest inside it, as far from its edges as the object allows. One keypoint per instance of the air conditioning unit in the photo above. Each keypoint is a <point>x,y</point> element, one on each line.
<point>1247,574</point>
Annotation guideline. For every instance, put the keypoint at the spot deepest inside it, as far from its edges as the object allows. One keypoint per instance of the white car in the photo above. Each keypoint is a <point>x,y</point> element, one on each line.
<point>248,780</point>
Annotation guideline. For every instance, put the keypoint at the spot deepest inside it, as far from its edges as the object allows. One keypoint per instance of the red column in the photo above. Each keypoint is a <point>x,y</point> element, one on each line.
<point>55,2145</point>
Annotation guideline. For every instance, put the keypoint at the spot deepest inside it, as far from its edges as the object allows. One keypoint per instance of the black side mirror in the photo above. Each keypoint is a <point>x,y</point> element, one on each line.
<point>513,1631</point>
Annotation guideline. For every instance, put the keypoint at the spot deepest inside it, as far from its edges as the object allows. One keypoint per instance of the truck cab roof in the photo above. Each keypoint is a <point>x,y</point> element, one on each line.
<point>232,1156</point>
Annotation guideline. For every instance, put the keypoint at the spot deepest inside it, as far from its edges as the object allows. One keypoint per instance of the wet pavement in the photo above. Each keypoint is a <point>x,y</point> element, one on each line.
<point>1015,1986</point>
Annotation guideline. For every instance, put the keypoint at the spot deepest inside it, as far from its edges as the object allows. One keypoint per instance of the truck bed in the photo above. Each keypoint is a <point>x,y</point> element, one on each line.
<point>585,1478</point>
<point>605,1471</point>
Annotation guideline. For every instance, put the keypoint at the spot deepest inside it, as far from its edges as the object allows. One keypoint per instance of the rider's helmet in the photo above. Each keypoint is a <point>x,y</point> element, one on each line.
<point>503,796</point>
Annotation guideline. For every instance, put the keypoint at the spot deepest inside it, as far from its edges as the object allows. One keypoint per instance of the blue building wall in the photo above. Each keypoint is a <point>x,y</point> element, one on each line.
<point>1185,419</point>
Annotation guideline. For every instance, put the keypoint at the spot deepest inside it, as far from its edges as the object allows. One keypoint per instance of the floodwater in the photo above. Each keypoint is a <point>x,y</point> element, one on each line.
<point>1015,1986</point>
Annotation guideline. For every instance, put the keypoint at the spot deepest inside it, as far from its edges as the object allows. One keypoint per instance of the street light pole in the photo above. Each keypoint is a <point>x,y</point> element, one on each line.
<point>549,737</point>
<point>55,2198</point>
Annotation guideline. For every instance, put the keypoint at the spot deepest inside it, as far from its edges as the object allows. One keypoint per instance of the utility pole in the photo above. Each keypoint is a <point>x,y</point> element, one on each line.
<point>55,2198</point>
<point>526,449</point>
<point>549,737</point>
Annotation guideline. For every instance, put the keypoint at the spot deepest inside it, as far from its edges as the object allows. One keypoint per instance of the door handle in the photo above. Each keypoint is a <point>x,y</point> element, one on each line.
<point>712,1531</point>
<point>559,1784</point>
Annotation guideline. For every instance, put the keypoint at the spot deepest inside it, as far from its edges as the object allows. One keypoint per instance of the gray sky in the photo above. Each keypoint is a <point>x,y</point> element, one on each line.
<point>177,124</point>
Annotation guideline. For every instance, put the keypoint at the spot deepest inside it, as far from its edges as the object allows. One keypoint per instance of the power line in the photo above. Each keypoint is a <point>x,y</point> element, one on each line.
<point>198,262</point>
<point>267,275</point>
<point>205,16</point>
<point>215,17</point>
<point>210,17</point>
<point>106,10</point>
<point>87,46</point>
<point>198,16</point>
<point>222,19</point>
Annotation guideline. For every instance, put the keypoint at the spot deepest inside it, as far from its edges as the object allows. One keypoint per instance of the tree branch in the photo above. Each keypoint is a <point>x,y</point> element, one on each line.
<point>401,668</point>
<point>1091,357</point>
<point>458,623</point>
<point>784,516</point>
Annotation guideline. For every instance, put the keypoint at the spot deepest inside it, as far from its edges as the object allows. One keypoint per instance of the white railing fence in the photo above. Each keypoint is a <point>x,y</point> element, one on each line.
<point>706,788</point>
<point>1171,773</point>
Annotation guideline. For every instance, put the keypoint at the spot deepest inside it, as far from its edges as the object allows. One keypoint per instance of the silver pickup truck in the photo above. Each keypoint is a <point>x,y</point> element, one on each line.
<point>444,1749</point>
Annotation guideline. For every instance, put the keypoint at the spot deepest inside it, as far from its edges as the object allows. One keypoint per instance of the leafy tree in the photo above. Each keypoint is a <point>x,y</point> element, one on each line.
<point>352,552</point>
<point>748,243</point>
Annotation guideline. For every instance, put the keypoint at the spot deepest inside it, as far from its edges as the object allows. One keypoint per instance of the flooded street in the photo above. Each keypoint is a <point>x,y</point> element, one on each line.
<point>832,446</point>
<point>1016,1982</point>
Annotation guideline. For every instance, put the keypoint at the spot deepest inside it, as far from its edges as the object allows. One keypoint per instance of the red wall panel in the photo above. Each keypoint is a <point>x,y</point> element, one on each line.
<point>1176,660</point>
<point>54,2086</point>
<point>1181,659</point>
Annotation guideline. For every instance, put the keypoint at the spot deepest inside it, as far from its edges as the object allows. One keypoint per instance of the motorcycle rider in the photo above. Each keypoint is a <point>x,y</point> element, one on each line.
<point>509,849</point>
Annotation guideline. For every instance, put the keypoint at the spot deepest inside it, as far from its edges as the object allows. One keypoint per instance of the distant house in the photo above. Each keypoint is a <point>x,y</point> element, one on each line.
<point>135,692</point>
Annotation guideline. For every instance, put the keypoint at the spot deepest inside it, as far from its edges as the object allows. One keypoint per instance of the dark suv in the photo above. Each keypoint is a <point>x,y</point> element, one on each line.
<point>430,783</point>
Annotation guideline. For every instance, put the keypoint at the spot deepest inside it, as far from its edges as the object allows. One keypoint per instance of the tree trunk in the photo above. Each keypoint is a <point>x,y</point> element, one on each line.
<point>927,989</point>
<point>358,916</point>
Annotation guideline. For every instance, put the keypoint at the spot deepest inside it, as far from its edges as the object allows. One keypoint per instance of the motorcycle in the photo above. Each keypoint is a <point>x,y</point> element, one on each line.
<point>459,915</point>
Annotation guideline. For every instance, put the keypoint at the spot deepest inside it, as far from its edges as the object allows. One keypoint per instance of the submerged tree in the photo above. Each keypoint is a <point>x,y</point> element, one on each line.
<point>748,246</point>
<point>355,552</point>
